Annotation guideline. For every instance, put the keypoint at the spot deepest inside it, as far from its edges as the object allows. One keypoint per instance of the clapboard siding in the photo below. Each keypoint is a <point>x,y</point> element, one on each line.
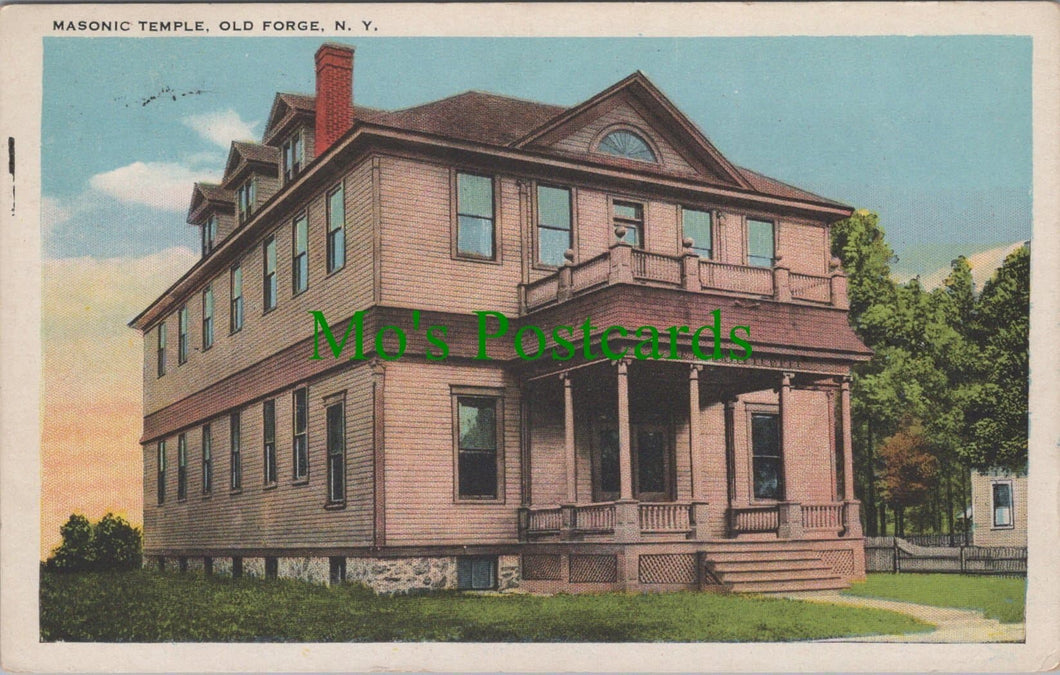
<point>288,514</point>
<point>338,295</point>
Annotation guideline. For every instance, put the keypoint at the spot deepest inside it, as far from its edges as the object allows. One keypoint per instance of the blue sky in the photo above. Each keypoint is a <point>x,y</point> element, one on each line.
<point>934,133</point>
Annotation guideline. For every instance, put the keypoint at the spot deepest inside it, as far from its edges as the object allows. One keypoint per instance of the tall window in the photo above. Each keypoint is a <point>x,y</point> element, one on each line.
<point>207,460</point>
<point>160,352</point>
<point>269,434</point>
<point>293,156</point>
<point>161,488</point>
<point>697,226</point>
<point>760,243</point>
<point>630,215</point>
<point>474,214</point>
<point>301,440</point>
<point>269,281</point>
<point>1002,498</point>
<point>207,317</point>
<point>182,467</point>
<point>246,199</point>
<point>209,234</point>
<point>336,419</point>
<point>182,337</point>
<point>476,447</point>
<point>336,229</point>
<point>767,459</point>
<point>300,261</point>
<point>553,224</point>
<point>626,144</point>
<point>236,314</point>
<point>235,453</point>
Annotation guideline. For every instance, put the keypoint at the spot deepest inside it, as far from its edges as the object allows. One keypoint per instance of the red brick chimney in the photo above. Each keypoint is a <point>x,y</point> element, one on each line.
<point>334,107</point>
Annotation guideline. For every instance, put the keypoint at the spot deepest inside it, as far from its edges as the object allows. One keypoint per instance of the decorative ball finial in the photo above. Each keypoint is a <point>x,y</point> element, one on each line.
<point>835,262</point>
<point>620,231</point>
<point>688,242</point>
<point>568,255</point>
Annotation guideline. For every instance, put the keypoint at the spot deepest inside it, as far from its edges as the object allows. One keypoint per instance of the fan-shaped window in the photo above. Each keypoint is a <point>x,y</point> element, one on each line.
<point>623,143</point>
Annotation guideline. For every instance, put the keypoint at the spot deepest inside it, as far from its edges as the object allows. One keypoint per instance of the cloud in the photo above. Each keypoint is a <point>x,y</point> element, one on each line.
<point>983,265</point>
<point>160,185</point>
<point>53,213</point>
<point>222,127</point>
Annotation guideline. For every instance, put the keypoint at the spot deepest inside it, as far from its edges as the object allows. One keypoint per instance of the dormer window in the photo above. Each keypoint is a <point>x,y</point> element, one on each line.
<point>246,198</point>
<point>628,145</point>
<point>293,156</point>
<point>209,235</point>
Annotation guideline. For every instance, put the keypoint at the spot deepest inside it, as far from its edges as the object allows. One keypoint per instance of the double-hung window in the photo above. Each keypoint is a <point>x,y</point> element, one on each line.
<point>1002,502</point>
<point>696,226</point>
<point>269,434</point>
<point>767,459</point>
<point>209,234</point>
<point>246,198</point>
<point>160,352</point>
<point>269,286</point>
<point>182,467</point>
<point>336,229</point>
<point>761,250</point>
<point>336,445</point>
<point>235,452</point>
<point>300,259</point>
<point>293,156</point>
<point>630,215</point>
<point>553,225</point>
<point>477,446</point>
<point>236,314</point>
<point>474,216</point>
<point>207,317</point>
<point>182,337</point>
<point>300,442</point>
<point>207,460</point>
<point>161,487</point>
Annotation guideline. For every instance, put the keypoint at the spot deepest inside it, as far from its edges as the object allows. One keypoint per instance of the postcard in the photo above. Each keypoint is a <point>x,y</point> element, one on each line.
<point>520,337</point>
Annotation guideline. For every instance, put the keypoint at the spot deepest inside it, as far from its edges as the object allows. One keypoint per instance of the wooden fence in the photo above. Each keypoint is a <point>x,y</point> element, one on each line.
<point>893,554</point>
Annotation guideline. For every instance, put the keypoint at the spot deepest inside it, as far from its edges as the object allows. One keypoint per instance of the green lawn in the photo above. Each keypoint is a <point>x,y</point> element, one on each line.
<point>152,607</point>
<point>1000,598</point>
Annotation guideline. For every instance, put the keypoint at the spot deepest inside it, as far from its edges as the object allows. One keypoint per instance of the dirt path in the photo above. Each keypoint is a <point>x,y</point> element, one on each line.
<point>952,625</point>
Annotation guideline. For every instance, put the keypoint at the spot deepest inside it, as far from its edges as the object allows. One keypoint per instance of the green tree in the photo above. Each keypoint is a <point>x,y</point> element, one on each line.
<point>116,544</point>
<point>910,470</point>
<point>74,554</point>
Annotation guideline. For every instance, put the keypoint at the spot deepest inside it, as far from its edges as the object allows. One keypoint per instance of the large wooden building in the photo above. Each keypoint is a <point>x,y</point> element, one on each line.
<point>601,471</point>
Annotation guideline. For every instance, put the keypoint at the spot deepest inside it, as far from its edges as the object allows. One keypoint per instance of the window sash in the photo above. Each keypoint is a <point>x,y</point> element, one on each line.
<point>475,216</point>
<point>300,443</point>
<point>336,444</point>
<point>300,262</point>
<point>207,317</point>
<point>1001,496</point>
<point>269,266</point>
<point>161,461</point>
<point>554,231</point>
<point>207,459</point>
<point>761,246</point>
<point>269,436</point>
<point>477,456</point>
<point>182,338</point>
<point>631,216</point>
<point>476,573</point>
<point>182,467</point>
<point>698,225</point>
<point>236,316</point>
<point>235,452</point>
<point>767,456</point>
<point>160,352</point>
<point>336,217</point>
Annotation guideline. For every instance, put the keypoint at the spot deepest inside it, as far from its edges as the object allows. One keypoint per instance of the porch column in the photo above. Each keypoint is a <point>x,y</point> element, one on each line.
<point>694,430</point>
<point>730,449</point>
<point>625,453</point>
<point>786,435</point>
<point>848,440</point>
<point>568,438</point>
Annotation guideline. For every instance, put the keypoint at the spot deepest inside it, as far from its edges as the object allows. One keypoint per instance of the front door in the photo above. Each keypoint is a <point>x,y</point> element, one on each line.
<point>652,463</point>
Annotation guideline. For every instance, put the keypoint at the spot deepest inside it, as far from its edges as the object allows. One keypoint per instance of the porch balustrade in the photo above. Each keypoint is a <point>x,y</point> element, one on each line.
<point>665,517</point>
<point>655,518</point>
<point>624,264</point>
<point>786,518</point>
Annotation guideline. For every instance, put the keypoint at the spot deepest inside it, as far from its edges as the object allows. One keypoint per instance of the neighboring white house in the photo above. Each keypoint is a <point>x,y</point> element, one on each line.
<point>999,508</point>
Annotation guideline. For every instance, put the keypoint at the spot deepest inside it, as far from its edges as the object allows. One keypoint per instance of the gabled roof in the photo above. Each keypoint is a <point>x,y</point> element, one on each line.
<point>286,106</point>
<point>205,196</point>
<point>243,154</point>
<point>684,134</point>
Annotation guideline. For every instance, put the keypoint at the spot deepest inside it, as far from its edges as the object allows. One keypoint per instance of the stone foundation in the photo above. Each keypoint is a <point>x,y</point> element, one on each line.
<point>313,570</point>
<point>508,575</point>
<point>402,575</point>
<point>254,568</point>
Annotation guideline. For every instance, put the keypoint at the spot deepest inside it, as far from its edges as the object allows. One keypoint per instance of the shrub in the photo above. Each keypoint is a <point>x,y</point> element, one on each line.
<point>110,544</point>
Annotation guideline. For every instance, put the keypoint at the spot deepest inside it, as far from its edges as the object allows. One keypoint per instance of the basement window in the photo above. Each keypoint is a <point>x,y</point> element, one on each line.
<point>477,573</point>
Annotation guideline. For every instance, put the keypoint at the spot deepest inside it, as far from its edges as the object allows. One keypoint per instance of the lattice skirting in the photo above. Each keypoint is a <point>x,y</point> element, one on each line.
<point>842,562</point>
<point>593,568</point>
<point>678,568</point>
<point>542,567</point>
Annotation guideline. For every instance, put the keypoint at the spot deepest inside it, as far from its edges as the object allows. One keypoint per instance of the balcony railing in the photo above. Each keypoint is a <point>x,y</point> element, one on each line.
<point>624,264</point>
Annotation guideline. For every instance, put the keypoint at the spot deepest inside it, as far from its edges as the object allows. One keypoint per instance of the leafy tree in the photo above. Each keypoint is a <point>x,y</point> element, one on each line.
<point>910,470</point>
<point>74,554</point>
<point>110,544</point>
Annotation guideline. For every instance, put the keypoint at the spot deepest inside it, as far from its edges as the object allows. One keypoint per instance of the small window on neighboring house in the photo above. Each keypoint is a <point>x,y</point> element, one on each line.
<point>235,453</point>
<point>630,215</point>
<point>207,460</point>
<point>766,456</point>
<point>161,488</point>
<point>269,287</point>
<point>272,567</point>
<point>209,235</point>
<point>474,214</point>
<point>300,261</point>
<point>623,143</point>
<point>336,229</point>
<point>236,314</point>
<point>477,447</point>
<point>246,198</point>
<point>207,317</point>
<point>301,441</point>
<point>269,434</point>
<point>161,351</point>
<point>553,225</point>
<point>182,467</point>
<point>337,569</point>
<point>293,156</point>
<point>1002,497</point>
<point>182,337</point>
<point>697,227</point>
<point>476,573</point>
<point>760,243</point>
<point>336,440</point>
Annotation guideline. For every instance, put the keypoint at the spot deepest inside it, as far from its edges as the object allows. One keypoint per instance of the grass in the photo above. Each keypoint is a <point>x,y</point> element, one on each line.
<point>144,606</point>
<point>1000,598</point>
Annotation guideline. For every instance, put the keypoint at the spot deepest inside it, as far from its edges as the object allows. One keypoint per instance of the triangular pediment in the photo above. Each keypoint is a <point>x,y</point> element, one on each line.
<point>285,107</point>
<point>636,105</point>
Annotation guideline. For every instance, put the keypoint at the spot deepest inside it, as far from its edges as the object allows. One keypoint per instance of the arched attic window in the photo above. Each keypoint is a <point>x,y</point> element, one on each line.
<point>627,144</point>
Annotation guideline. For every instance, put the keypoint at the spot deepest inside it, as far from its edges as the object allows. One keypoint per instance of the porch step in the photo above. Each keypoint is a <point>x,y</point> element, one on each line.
<point>751,555</point>
<point>725,567</point>
<point>772,569</point>
<point>755,576</point>
<point>826,584</point>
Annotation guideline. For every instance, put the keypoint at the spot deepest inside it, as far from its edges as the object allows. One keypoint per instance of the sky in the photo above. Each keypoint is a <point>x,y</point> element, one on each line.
<point>932,133</point>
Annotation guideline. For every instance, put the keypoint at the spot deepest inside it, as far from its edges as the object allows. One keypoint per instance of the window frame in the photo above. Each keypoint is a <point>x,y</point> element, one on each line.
<point>183,337</point>
<point>470,561</point>
<point>270,285</point>
<point>594,146</point>
<point>495,394</point>
<point>330,403</point>
<point>182,467</point>
<point>268,442</point>
<point>753,409</point>
<point>300,459</point>
<point>235,451</point>
<point>712,214</point>
<point>236,303</point>
<point>454,215</point>
<point>207,317</point>
<point>246,199</point>
<point>160,351</point>
<point>207,460</point>
<point>299,259</point>
<point>1011,508</point>
<point>333,234</point>
<point>612,201</point>
<point>160,469</point>
<point>747,240</point>
<point>293,165</point>
<point>209,234</point>
<point>538,226</point>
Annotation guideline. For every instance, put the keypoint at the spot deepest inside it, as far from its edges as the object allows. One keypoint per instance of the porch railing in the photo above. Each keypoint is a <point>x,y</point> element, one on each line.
<point>739,278</point>
<point>602,518</point>
<point>812,288</point>
<point>595,518</point>
<point>751,519</point>
<point>822,516</point>
<point>665,517</point>
<point>545,520</point>
<point>656,267</point>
